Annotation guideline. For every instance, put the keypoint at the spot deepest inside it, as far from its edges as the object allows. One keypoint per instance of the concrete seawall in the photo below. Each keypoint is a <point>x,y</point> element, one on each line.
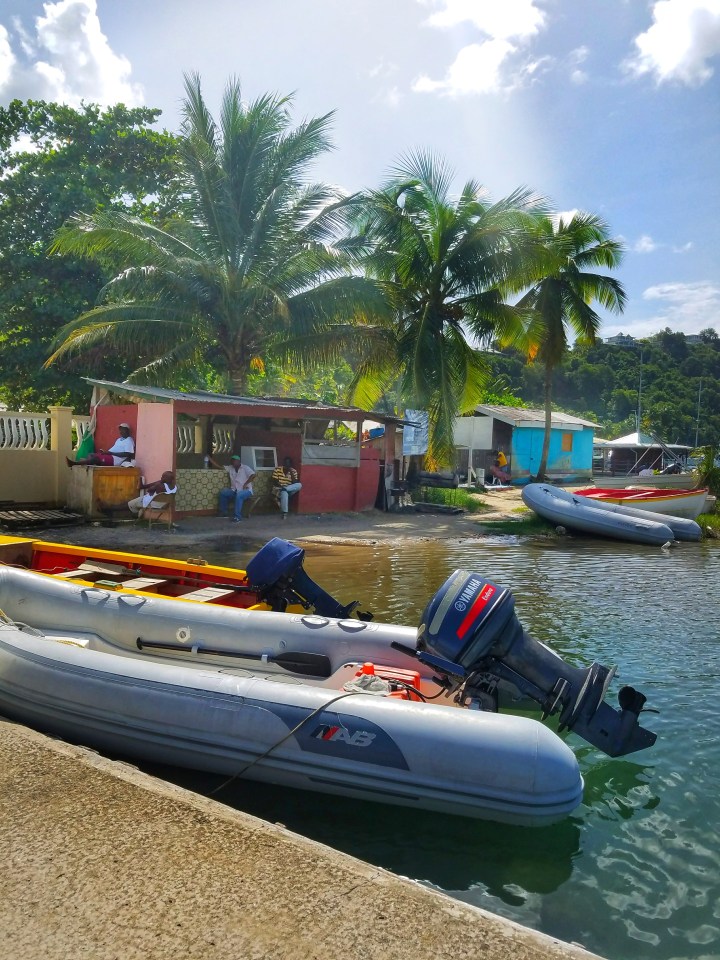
<point>100,861</point>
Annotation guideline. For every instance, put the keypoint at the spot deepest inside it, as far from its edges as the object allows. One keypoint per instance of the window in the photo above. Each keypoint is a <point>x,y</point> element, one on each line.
<point>567,442</point>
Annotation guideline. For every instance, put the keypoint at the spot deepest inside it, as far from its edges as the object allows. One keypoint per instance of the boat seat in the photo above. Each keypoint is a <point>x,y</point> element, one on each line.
<point>142,583</point>
<point>89,567</point>
<point>206,594</point>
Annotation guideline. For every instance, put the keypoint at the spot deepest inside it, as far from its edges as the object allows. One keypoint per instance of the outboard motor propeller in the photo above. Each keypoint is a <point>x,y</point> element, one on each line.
<point>277,573</point>
<point>469,631</point>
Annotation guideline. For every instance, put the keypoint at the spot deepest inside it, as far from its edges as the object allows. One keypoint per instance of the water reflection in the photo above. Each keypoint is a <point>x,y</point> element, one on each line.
<point>452,853</point>
<point>633,875</point>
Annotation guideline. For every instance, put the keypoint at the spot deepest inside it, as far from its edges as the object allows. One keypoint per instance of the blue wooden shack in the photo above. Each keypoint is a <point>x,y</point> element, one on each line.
<point>519,433</point>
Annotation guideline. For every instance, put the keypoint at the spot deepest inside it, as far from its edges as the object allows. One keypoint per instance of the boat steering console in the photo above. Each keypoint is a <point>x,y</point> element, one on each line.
<point>470,635</point>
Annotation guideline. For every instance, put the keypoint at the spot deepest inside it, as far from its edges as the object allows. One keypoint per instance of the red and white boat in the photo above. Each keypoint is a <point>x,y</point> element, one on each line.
<point>674,503</point>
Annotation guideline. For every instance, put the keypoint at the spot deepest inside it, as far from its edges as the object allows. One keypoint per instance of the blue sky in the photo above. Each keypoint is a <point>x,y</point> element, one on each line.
<point>611,106</point>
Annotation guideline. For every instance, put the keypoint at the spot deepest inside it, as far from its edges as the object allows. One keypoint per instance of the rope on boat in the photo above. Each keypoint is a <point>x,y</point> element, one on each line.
<point>323,706</point>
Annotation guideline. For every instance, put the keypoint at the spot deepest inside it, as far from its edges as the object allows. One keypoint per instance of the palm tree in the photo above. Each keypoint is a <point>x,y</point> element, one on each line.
<point>561,300</point>
<point>248,269</point>
<point>444,262</point>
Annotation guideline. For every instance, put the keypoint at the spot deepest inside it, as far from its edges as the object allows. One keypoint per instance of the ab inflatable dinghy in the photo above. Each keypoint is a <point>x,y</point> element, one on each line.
<point>339,706</point>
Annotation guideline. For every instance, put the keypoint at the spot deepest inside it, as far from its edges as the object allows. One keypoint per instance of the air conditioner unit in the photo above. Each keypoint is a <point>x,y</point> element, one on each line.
<point>259,458</point>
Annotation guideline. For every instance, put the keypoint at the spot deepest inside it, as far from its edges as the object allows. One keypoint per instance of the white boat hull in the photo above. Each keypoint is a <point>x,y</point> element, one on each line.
<point>664,481</point>
<point>87,681</point>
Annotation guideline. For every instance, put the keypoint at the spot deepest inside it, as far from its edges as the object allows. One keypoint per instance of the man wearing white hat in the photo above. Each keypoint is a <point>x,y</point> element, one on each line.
<point>120,454</point>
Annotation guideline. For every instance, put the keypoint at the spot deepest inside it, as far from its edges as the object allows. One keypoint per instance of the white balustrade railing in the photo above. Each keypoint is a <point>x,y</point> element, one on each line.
<point>223,438</point>
<point>186,438</point>
<point>24,431</point>
<point>81,425</point>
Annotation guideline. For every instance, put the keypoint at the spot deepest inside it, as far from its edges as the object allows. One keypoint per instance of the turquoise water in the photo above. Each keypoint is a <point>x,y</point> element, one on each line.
<point>634,873</point>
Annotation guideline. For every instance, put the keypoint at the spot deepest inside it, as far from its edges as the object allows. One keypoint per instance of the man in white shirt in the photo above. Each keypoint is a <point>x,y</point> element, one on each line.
<point>166,484</point>
<point>120,454</point>
<point>240,489</point>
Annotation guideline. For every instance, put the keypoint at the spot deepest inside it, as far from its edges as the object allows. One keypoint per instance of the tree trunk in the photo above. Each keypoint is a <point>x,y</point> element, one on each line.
<point>542,468</point>
<point>238,380</point>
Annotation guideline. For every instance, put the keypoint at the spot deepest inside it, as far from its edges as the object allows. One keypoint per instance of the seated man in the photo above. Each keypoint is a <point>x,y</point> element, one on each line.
<point>120,454</point>
<point>286,484</point>
<point>240,489</point>
<point>166,484</point>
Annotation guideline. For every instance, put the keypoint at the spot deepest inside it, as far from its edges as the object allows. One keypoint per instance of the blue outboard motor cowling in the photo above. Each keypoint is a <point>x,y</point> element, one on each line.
<point>470,630</point>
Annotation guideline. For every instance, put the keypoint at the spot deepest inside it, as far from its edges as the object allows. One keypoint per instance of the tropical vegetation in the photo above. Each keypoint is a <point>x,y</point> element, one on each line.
<point>673,381</point>
<point>56,161</point>
<point>212,260</point>
<point>249,267</point>
<point>559,303</point>
<point>444,261</point>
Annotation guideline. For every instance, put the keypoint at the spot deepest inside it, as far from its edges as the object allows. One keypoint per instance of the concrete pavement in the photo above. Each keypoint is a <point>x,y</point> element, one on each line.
<point>101,862</point>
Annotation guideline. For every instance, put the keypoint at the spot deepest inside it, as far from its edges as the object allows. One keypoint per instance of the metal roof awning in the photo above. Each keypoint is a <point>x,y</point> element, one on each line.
<point>526,417</point>
<point>284,408</point>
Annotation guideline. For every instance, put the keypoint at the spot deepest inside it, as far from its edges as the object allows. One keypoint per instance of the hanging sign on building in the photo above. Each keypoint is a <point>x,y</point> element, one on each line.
<point>415,438</point>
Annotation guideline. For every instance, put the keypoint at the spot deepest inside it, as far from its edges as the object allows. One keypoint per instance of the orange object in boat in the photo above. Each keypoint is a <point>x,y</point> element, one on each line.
<point>394,676</point>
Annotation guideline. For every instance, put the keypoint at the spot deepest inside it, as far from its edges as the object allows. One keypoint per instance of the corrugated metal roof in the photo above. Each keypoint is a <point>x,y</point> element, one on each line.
<point>525,417</point>
<point>293,406</point>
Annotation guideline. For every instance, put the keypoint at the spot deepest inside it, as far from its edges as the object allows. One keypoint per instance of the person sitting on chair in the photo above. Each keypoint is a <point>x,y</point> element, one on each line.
<point>499,474</point>
<point>240,489</point>
<point>166,484</point>
<point>120,454</point>
<point>501,458</point>
<point>286,484</point>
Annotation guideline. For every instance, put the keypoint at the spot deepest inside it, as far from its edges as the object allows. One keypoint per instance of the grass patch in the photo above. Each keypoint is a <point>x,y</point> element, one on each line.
<point>525,522</point>
<point>464,499</point>
<point>710,525</point>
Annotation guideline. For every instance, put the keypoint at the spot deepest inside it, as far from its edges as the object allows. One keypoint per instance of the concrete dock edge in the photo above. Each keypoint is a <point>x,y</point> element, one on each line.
<point>101,861</point>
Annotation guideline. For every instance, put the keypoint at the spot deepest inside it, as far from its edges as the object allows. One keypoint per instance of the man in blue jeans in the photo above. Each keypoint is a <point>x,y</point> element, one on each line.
<point>240,489</point>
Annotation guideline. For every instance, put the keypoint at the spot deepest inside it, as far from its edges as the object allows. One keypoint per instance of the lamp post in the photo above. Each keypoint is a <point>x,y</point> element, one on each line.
<point>697,418</point>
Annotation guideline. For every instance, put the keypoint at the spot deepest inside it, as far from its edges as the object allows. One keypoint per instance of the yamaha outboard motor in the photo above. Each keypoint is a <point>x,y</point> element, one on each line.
<point>277,573</point>
<point>469,631</point>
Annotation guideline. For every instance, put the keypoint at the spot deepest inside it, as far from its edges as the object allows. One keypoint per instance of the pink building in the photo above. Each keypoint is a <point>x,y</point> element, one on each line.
<point>175,431</point>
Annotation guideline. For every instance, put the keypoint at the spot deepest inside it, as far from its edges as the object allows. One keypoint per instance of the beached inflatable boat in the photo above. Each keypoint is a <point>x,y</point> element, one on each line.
<point>340,706</point>
<point>606,520</point>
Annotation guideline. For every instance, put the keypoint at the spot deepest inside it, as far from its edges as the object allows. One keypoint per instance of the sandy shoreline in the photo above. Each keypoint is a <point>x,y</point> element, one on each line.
<point>369,527</point>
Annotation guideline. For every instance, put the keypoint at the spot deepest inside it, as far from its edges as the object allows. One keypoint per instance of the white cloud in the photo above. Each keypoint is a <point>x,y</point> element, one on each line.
<point>482,67</point>
<point>576,57</point>
<point>476,69</point>
<point>7,58</point>
<point>68,59</point>
<point>686,307</point>
<point>684,37</point>
<point>644,244</point>
<point>497,19</point>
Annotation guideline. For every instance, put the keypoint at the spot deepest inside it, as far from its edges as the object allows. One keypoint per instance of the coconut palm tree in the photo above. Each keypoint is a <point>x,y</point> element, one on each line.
<point>444,261</point>
<point>248,269</point>
<point>560,301</point>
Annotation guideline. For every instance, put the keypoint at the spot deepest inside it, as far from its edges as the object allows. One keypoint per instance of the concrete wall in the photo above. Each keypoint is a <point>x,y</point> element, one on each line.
<point>155,441</point>
<point>39,475</point>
